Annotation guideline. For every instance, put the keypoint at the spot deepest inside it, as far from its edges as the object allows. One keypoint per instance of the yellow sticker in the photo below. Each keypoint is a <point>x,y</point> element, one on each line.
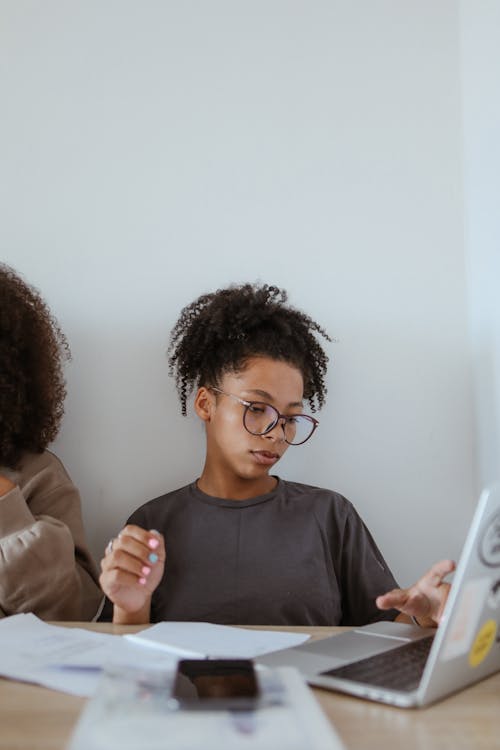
<point>483,643</point>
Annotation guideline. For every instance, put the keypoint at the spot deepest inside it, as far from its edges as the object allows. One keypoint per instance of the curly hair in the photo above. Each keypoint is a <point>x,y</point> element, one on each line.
<point>219,332</point>
<point>32,387</point>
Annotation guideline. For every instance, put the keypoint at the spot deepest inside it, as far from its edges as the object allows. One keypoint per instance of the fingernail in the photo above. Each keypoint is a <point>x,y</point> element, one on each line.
<point>154,531</point>
<point>142,581</point>
<point>145,570</point>
<point>153,543</point>
<point>153,558</point>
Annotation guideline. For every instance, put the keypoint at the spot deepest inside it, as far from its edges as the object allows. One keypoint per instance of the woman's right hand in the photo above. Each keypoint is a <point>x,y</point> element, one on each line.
<point>132,568</point>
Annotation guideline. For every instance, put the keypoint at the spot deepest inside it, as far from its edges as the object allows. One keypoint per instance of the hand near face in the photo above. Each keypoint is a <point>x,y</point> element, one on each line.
<point>424,600</point>
<point>132,568</point>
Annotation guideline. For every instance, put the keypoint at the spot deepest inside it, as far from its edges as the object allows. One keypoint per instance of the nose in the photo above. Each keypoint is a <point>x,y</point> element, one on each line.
<point>277,434</point>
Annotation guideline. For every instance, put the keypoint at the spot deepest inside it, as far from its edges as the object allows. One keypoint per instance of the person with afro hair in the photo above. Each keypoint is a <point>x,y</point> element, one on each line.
<point>241,545</point>
<point>45,565</point>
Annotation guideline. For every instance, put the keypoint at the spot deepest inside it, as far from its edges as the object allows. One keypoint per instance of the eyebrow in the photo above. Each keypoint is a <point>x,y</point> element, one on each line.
<point>266,395</point>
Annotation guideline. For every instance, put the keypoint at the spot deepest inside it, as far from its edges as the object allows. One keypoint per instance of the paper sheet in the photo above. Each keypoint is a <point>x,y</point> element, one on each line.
<point>204,639</point>
<point>67,659</point>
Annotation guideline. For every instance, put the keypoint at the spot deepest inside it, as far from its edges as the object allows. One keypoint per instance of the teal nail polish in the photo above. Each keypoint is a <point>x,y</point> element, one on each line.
<point>153,557</point>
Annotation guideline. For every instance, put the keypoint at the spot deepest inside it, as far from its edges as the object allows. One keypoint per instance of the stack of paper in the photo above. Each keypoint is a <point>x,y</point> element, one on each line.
<point>128,714</point>
<point>70,659</point>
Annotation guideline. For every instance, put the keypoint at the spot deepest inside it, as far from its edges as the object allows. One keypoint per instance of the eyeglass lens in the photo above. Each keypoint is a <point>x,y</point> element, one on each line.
<point>260,418</point>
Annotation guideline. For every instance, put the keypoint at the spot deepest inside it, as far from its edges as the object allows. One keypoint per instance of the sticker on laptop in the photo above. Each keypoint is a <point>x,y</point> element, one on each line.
<point>483,642</point>
<point>489,545</point>
<point>494,597</point>
<point>466,619</point>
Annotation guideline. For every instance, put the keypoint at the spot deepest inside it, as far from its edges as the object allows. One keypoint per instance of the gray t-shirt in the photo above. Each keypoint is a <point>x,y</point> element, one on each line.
<point>299,555</point>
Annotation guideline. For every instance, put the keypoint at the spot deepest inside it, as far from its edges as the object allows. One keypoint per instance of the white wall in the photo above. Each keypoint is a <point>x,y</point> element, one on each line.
<point>153,151</point>
<point>480,44</point>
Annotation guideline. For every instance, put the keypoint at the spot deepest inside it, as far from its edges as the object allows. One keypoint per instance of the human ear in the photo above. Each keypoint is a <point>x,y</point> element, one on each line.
<point>204,403</point>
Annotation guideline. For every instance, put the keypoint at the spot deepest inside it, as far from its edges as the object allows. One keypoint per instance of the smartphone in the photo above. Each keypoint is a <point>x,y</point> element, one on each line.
<point>225,684</point>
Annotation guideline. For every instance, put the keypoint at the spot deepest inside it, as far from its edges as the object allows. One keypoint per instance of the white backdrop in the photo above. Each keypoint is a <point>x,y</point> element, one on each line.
<point>153,151</point>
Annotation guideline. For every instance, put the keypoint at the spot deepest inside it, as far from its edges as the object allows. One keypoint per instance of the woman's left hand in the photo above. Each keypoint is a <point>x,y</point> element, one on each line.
<point>424,600</point>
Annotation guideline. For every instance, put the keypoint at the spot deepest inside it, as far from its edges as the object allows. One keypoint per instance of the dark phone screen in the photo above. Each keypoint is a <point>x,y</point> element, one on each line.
<point>215,679</point>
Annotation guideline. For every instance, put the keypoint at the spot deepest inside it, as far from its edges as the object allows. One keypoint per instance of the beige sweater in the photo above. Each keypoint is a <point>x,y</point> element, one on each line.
<point>45,565</point>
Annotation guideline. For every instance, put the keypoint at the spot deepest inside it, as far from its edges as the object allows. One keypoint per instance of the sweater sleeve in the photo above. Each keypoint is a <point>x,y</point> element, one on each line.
<point>45,566</point>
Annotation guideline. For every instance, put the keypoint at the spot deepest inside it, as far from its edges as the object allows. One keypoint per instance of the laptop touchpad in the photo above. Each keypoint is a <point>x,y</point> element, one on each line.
<point>351,646</point>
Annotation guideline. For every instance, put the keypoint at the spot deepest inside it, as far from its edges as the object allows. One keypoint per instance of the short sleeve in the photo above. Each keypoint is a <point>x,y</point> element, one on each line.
<point>364,574</point>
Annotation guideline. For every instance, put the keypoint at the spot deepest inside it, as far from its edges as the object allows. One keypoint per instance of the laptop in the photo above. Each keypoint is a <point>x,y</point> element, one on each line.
<point>407,666</point>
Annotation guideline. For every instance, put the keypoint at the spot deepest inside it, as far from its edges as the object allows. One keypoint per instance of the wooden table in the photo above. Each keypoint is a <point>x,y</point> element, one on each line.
<point>35,718</point>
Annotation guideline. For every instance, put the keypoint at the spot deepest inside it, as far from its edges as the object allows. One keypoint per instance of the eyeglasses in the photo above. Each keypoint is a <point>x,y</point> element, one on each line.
<point>260,418</point>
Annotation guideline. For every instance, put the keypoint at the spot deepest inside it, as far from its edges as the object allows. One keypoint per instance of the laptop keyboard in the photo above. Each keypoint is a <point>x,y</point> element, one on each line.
<point>398,669</point>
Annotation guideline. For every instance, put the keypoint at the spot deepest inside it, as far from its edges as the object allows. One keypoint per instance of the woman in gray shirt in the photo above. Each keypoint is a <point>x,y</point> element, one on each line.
<point>241,545</point>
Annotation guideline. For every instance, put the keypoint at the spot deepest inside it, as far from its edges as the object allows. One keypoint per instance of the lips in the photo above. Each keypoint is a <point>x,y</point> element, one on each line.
<point>266,458</point>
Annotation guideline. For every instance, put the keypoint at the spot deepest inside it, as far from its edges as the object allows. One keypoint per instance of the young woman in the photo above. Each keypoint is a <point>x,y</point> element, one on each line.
<point>239,544</point>
<point>45,566</point>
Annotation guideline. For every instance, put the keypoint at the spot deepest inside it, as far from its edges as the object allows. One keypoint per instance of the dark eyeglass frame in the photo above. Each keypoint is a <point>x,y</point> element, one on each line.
<point>279,416</point>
